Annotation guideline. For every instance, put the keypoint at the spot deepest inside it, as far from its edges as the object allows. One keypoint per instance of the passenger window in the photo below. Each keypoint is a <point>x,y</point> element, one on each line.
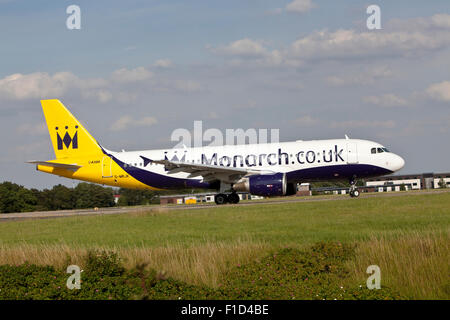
<point>380,150</point>
<point>373,150</point>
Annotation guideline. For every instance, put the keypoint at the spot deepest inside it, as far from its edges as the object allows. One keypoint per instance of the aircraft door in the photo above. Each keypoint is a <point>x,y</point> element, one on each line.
<point>352,152</point>
<point>107,167</point>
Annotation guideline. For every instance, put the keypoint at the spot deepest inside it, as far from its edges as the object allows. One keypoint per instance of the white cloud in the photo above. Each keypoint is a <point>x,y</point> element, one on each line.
<point>26,152</point>
<point>146,121</point>
<point>188,86</point>
<point>296,6</point>
<point>386,100</point>
<point>127,121</point>
<point>91,83</point>
<point>125,75</point>
<point>342,44</point>
<point>121,123</point>
<point>439,91</point>
<point>364,77</point>
<point>243,48</point>
<point>299,6</point>
<point>435,22</point>
<point>163,63</point>
<point>125,97</point>
<point>404,39</point>
<point>41,85</point>
<point>37,85</point>
<point>247,52</point>
<point>441,21</point>
<point>101,95</point>
<point>305,121</point>
<point>120,85</point>
<point>33,129</point>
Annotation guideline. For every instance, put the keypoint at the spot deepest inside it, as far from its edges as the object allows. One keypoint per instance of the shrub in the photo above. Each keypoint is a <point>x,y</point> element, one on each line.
<point>317,272</point>
<point>103,278</point>
<point>314,273</point>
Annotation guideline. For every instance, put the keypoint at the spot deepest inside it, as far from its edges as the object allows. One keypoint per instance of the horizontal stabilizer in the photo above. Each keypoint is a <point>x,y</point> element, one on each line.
<point>56,165</point>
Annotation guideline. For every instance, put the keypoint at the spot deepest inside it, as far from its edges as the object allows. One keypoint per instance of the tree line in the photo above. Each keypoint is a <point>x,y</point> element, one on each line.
<point>17,198</point>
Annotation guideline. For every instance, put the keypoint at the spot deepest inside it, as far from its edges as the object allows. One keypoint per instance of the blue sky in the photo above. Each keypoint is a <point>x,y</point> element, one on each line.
<point>314,72</point>
<point>132,33</point>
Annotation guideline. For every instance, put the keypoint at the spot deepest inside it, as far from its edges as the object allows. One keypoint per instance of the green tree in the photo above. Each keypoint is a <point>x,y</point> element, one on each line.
<point>61,198</point>
<point>133,197</point>
<point>88,195</point>
<point>15,198</point>
<point>43,199</point>
<point>442,183</point>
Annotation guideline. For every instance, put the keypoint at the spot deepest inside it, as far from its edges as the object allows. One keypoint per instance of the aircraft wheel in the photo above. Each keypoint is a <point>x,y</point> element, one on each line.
<point>356,193</point>
<point>233,198</point>
<point>221,198</point>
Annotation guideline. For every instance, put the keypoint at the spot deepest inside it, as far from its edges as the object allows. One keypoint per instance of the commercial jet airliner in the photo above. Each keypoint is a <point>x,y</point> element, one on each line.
<point>271,169</point>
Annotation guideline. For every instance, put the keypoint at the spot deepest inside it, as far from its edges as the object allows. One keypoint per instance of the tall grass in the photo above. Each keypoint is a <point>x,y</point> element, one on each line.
<point>414,264</point>
<point>200,265</point>
<point>417,264</point>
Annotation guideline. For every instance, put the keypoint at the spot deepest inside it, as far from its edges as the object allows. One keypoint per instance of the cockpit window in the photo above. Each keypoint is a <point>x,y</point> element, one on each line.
<point>379,150</point>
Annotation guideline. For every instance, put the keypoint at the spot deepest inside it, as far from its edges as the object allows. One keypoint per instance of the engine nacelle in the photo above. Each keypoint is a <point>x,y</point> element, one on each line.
<point>267,185</point>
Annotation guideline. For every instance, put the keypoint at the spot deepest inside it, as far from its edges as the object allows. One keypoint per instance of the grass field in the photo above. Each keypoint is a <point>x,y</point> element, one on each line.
<point>407,236</point>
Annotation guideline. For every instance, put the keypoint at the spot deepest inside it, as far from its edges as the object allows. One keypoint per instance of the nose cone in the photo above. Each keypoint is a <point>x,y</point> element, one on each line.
<point>397,163</point>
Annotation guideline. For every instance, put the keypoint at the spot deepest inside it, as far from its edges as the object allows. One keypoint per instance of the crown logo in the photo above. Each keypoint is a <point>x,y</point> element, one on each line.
<point>67,140</point>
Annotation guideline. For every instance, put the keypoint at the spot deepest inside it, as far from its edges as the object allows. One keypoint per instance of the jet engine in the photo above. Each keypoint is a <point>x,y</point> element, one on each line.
<point>267,185</point>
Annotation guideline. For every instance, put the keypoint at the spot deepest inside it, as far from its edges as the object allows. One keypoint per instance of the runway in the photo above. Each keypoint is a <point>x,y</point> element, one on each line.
<point>121,210</point>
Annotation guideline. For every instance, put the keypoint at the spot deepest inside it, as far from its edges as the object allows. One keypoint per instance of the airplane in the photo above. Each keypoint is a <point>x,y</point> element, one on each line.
<point>269,169</point>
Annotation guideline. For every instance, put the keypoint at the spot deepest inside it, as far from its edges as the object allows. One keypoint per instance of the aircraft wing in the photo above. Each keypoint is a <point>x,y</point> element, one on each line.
<point>206,171</point>
<point>56,165</point>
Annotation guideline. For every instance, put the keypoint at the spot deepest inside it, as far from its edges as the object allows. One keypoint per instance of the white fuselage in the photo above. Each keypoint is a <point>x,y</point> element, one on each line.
<point>300,160</point>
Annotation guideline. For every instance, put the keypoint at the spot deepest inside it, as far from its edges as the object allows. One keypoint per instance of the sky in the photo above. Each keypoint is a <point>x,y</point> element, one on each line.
<point>138,70</point>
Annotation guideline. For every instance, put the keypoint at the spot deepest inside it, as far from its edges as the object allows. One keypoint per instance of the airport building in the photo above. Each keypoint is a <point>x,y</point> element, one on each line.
<point>416,181</point>
<point>396,183</point>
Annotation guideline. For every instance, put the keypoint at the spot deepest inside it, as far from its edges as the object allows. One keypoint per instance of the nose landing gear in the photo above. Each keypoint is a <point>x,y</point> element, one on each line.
<point>353,191</point>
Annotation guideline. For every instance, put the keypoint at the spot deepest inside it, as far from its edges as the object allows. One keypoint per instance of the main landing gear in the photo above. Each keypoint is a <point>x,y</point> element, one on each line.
<point>353,191</point>
<point>223,198</point>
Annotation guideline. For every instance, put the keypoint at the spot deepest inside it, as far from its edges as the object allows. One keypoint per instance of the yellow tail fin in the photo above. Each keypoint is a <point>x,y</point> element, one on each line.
<point>69,138</point>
